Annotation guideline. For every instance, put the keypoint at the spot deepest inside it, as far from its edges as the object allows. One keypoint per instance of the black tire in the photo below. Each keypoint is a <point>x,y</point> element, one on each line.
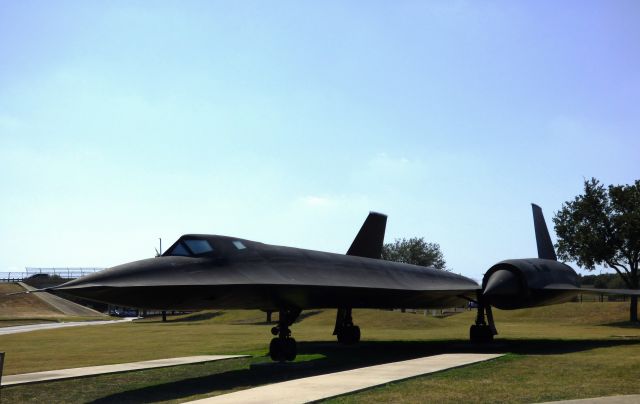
<point>356,334</point>
<point>290,349</point>
<point>487,334</point>
<point>474,334</point>
<point>349,335</point>
<point>276,350</point>
<point>480,334</point>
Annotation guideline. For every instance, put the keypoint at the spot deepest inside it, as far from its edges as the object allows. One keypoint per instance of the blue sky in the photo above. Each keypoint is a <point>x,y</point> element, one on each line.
<point>287,122</point>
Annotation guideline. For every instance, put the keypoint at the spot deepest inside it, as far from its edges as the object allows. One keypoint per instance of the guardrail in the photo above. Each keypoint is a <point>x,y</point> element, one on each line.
<point>63,273</point>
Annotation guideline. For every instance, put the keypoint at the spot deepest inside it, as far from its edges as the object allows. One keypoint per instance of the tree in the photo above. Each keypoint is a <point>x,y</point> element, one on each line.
<point>602,227</point>
<point>414,251</point>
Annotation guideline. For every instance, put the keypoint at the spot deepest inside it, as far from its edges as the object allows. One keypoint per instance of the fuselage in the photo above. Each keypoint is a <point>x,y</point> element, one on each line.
<point>219,272</point>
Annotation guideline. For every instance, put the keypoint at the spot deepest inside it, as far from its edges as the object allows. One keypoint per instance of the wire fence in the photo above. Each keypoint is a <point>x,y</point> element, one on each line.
<point>62,273</point>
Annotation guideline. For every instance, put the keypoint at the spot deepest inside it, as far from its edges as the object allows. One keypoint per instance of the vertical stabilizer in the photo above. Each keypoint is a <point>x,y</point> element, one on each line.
<point>543,240</point>
<point>368,242</point>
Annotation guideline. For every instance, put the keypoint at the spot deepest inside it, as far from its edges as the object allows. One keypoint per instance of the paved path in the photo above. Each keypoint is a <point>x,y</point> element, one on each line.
<point>334,384</point>
<point>49,326</point>
<point>632,399</point>
<point>65,306</point>
<point>99,370</point>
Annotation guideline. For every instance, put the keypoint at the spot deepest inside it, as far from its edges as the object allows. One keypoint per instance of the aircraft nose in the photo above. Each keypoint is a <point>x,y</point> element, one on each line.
<point>131,274</point>
<point>108,277</point>
<point>105,286</point>
<point>502,282</point>
<point>135,284</point>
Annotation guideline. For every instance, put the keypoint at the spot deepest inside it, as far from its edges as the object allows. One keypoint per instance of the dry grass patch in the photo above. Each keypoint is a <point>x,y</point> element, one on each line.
<point>23,305</point>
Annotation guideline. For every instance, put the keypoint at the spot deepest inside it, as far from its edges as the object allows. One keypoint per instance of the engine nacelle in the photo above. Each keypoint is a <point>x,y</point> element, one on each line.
<point>520,283</point>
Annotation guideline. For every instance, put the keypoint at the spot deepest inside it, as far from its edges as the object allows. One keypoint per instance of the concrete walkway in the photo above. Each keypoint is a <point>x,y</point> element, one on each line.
<point>66,307</point>
<point>50,326</point>
<point>51,375</point>
<point>334,384</point>
<point>631,399</point>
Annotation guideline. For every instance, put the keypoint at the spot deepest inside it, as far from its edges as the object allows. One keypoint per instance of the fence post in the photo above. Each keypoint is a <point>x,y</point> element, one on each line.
<point>1,365</point>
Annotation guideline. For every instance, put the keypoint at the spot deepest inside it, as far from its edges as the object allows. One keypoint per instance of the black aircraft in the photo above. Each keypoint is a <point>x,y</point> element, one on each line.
<point>218,272</point>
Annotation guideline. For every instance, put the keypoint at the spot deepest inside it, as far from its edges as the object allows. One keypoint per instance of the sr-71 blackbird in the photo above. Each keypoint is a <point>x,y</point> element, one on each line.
<point>219,272</point>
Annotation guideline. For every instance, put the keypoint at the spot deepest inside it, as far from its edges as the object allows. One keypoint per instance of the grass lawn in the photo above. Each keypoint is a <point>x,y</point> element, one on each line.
<point>567,351</point>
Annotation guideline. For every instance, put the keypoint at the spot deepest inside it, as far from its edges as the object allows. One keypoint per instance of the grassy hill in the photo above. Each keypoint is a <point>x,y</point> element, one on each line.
<point>25,308</point>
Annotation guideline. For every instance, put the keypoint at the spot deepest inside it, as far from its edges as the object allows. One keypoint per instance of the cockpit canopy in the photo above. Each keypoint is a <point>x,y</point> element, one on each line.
<point>192,245</point>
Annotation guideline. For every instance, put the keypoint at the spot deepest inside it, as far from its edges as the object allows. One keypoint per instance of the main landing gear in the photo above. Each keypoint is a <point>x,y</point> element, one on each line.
<point>283,347</point>
<point>483,331</point>
<point>346,332</point>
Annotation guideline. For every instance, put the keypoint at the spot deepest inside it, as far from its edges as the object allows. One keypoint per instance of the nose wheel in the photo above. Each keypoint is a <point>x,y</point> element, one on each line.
<point>283,347</point>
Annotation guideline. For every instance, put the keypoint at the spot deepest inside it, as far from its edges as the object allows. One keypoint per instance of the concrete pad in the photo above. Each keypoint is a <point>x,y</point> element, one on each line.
<point>334,384</point>
<point>49,326</point>
<point>99,370</point>
<point>630,399</point>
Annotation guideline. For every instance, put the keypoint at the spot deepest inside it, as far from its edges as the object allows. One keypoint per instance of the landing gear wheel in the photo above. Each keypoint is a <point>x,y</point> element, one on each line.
<point>290,349</point>
<point>484,329</point>
<point>283,349</point>
<point>480,333</point>
<point>349,335</point>
<point>275,350</point>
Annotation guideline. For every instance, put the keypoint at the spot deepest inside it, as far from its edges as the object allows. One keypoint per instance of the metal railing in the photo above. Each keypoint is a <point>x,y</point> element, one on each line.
<point>63,273</point>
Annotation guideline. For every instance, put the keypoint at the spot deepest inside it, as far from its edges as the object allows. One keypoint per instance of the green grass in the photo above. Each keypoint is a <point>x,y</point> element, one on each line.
<point>562,371</point>
<point>556,352</point>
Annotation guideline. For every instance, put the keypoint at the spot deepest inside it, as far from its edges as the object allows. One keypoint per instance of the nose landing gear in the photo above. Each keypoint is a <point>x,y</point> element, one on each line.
<point>283,347</point>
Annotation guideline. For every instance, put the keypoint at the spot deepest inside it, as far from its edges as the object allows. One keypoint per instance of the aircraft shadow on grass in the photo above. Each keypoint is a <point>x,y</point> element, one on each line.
<point>622,324</point>
<point>335,358</point>
<point>193,317</point>
<point>302,316</point>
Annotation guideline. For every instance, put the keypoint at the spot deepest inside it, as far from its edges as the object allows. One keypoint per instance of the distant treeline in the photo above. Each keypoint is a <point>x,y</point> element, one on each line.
<point>603,281</point>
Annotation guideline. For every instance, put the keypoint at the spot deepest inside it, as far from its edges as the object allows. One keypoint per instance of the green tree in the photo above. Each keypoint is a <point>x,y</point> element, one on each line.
<point>414,251</point>
<point>602,227</point>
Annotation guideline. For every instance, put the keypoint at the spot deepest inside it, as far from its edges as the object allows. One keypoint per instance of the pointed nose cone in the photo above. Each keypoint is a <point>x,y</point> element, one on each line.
<point>98,286</point>
<point>502,282</point>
